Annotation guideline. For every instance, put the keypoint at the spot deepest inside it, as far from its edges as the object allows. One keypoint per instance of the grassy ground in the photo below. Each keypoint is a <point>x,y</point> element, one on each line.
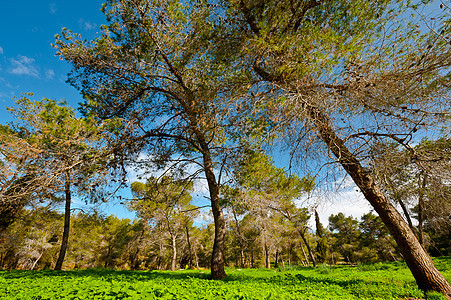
<point>376,281</point>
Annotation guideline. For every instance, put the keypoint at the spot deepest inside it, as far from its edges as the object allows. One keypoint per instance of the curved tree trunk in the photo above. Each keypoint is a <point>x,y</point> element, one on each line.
<point>305,256</point>
<point>310,253</point>
<point>426,274</point>
<point>406,214</point>
<point>65,239</point>
<point>402,204</point>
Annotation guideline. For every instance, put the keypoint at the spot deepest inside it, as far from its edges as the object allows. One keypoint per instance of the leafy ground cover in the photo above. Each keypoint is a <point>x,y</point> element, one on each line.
<point>375,281</point>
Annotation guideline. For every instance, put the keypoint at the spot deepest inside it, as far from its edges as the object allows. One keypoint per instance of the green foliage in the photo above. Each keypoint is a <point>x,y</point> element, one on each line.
<point>435,296</point>
<point>385,281</point>
<point>50,144</point>
<point>365,241</point>
<point>257,172</point>
<point>321,246</point>
<point>163,200</point>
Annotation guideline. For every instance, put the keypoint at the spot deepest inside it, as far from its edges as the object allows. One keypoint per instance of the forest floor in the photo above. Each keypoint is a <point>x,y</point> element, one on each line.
<point>369,281</point>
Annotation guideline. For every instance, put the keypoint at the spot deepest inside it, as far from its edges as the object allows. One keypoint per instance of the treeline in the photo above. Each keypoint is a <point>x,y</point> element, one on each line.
<point>98,241</point>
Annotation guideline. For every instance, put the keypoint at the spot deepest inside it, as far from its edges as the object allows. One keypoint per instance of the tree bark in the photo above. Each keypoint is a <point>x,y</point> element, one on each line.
<point>190,252</point>
<point>421,265</point>
<point>267,257</point>
<point>402,204</point>
<point>65,238</point>
<point>406,214</point>
<point>160,250</point>
<point>36,261</point>
<point>217,257</point>
<point>196,258</point>
<point>174,252</point>
<point>301,232</point>
<point>305,256</point>
<point>241,258</point>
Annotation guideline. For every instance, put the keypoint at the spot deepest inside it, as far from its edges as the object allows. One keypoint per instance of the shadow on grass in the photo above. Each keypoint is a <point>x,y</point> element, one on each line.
<point>255,275</point>
<point>106,274</point>
<point>249,275</point>
<point>332,281</point>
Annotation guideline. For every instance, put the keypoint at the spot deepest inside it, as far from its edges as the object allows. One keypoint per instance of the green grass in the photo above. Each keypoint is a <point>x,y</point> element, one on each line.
<point>377,281</point>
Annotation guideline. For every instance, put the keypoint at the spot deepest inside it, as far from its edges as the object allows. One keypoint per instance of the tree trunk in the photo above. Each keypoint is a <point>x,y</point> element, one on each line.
<point>174,252</point>
<point>267,257</point>
<point>217,257</point>
<point>107,258</point>
<point>312,258</point>
<point>160,250</point>
<point>406,214</point>
<point>402,204</point>
<point>196,258</point>
<point>190,252</point>
<point>426,274</point>
<point>36,261</point>
<point>242,258</point>
<point>305,256</point>
<point>65,239</point>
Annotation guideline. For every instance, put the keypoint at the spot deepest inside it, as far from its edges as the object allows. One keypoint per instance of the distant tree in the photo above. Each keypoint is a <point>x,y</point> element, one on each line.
<point>166,202</point>
<point>321,245</point>
<point>57,152</point>
<point>266,191</point>
<point>375,235</point>
<point>299,218</point>
<point>86,245</point>
<point>116,234</point>
<point>16,175</point>
<point>31,241</point>
<point>346,231</point>
<point>417,178</point>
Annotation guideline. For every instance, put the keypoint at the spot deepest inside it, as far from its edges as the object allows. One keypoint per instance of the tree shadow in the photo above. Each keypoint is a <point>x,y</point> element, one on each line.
<point>106,274</point>
<point>340,282</point>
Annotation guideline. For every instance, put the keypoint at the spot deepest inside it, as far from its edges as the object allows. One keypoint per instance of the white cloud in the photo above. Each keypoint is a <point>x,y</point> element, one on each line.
<point>4,97</point>
<point>23,66</point>
<point>1,50</point>
<point>347,199</point>
<point>49,74</point>
<point>86,25</point>
<point>53,9</point>
<point>351,203</point>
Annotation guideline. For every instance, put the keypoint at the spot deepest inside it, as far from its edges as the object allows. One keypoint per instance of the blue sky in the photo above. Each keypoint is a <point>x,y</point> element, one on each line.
<point>28,63</point>
<point>27,59</point>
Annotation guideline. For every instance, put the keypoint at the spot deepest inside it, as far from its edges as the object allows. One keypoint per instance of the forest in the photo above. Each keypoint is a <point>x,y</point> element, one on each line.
<point>211,93</point>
